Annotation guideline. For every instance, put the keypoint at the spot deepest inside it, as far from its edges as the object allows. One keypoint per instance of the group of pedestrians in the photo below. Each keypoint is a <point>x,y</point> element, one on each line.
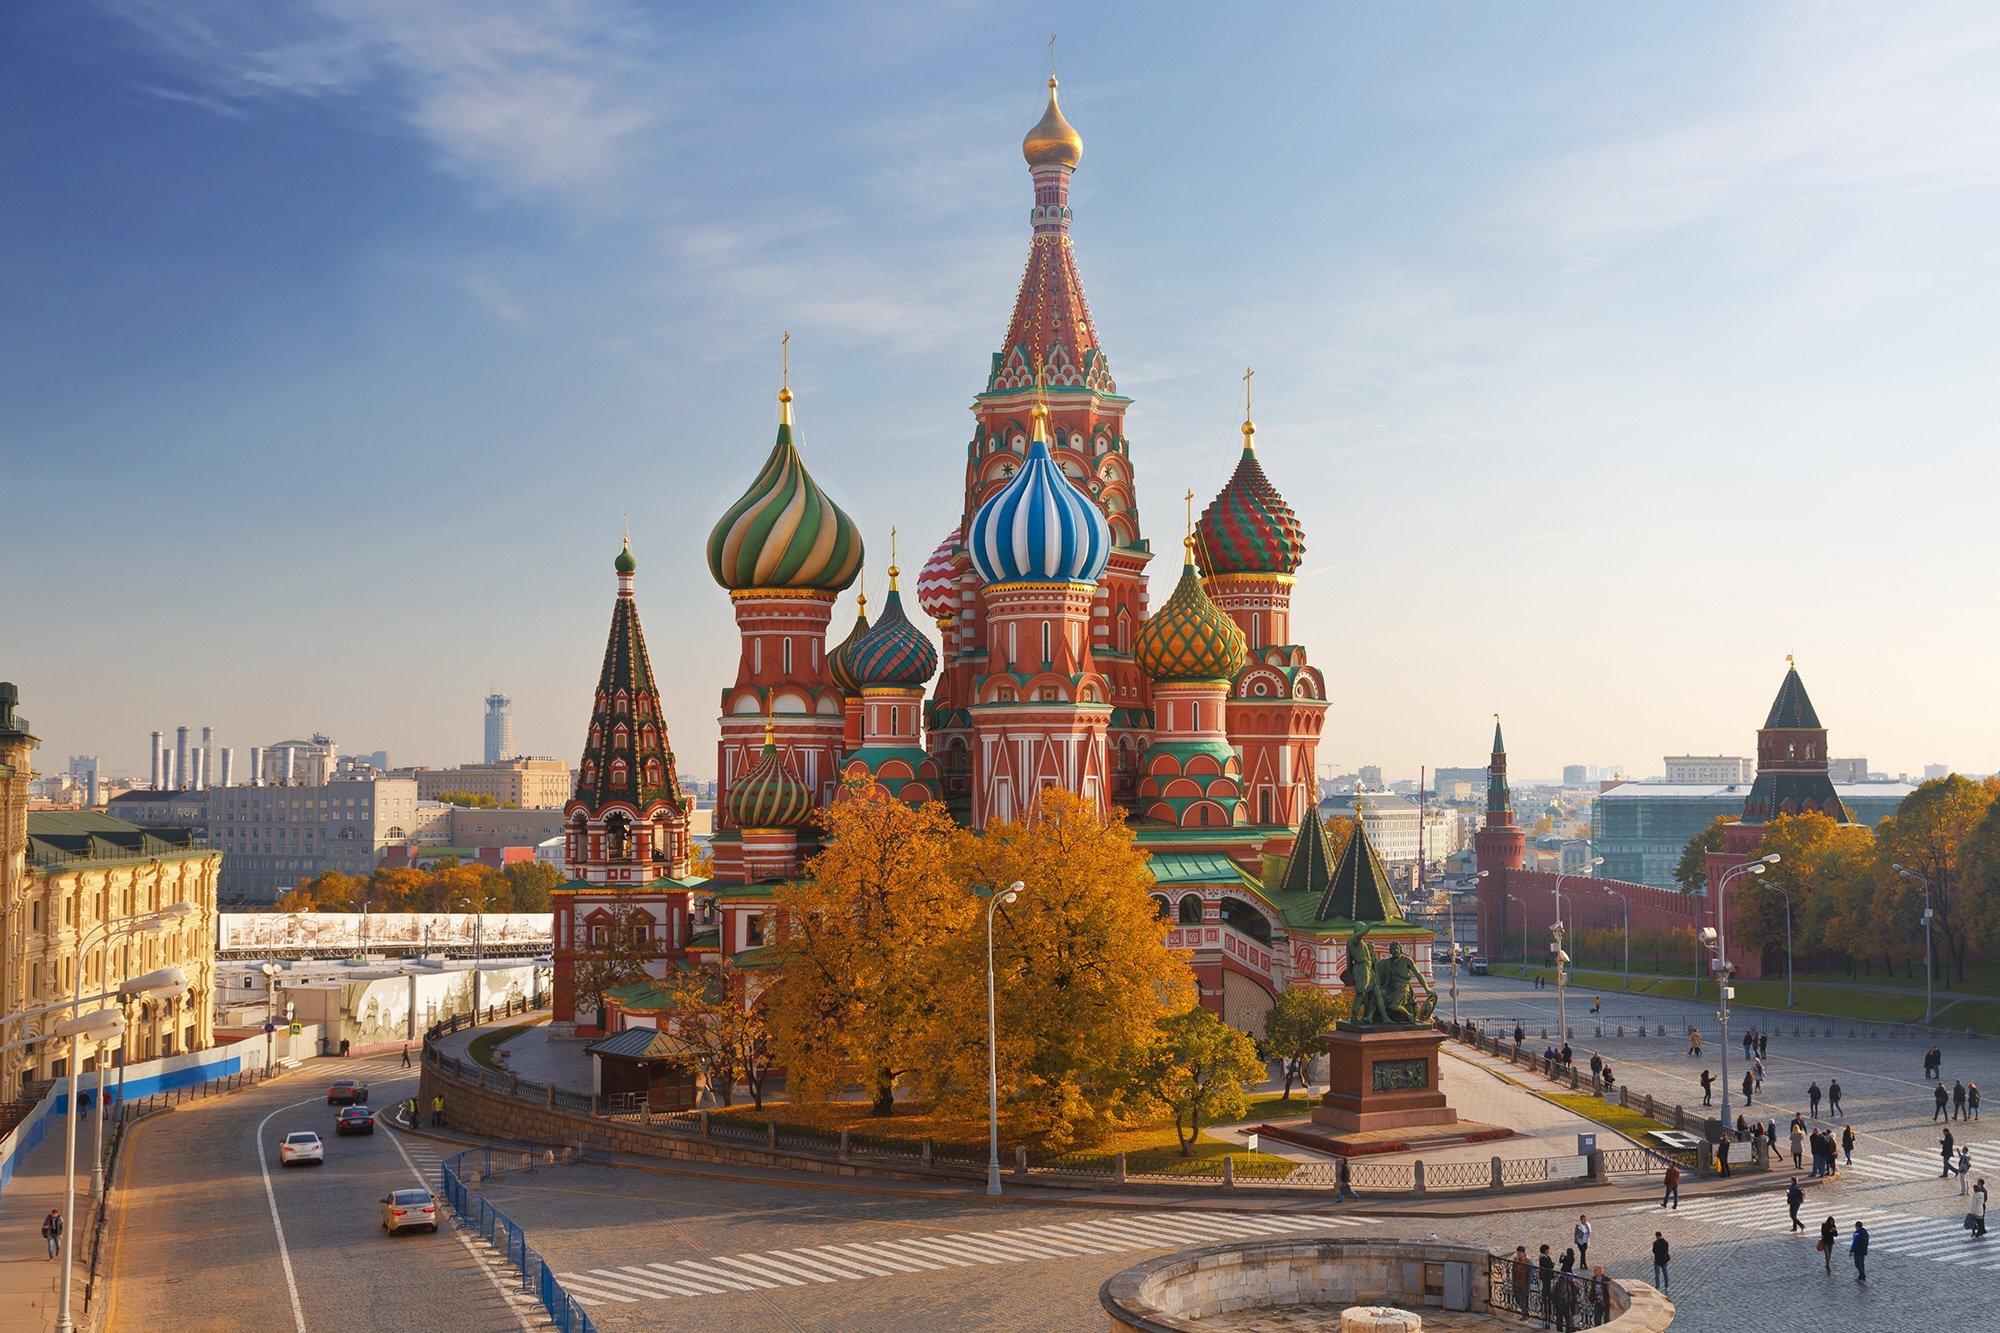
<point>1962,1100</point>
<point>1832,1096</point>
<point>1566,1292</point>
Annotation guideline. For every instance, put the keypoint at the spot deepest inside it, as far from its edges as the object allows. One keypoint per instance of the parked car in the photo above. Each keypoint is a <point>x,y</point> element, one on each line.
<point>1477,966</point>
<point>354,1120</point>
<point>301,1145</point>
<point>346,1092</point>
<point>409,1208</point>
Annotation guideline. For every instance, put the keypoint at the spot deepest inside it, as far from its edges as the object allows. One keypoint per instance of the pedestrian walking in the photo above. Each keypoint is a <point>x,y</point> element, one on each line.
<point>1763,1044</point>
<point>406,1055</point>
<point>1979,1209</point>
<point>1600,1296</point>
<point>411,1112</point>
<point>1597,1068</point>
<point>1941,1098</point>
<point>1857,1246</point>
<point>1749,1082</point>
<point>1662,1256</point>
<point>1794,1197</point>
<point>1964,1170</point>
<point>1722,1157</point>
<point>1847,1143</point>
<point>343,1048</point>
<point>437,1109</point>
<point>1672,1196</point>
<point>1582,1239</point>
<point>52,1229</point>
<point>1972,1100</point>
<point>1694,1041</point>
<point>1958,1099</point>
<point>1812,1098</point>
<point>1707,1088</point>
<point>1346,1180</point>
<point>1757,1068</point>
<point>1522,1269</point>
<point>1827,1232</point>
<point>1798,1146</point>
<point>1519,1035</point>
<point>1748,1042</point>
<point>1833,1099</point>
<point>1945,1147</point>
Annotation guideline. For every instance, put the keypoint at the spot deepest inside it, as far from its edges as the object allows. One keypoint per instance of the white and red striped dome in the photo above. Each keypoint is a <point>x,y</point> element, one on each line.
<point>937,584</point>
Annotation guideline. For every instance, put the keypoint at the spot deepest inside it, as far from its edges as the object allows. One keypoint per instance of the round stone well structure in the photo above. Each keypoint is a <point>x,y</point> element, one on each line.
<point>1306,1282</point>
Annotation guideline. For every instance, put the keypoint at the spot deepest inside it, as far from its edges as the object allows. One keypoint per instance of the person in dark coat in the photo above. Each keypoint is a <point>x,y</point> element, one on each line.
<point>1827,1232</point>
<point>1794,1197</point>
<point>1847,1143</point>
<point>1941,1099</point>
<point>1662,1256</point>
<point>1707,1088</point>
<point>1833,1099</point>
<point>1857,1246</point>
<point>1812,1097</point>
<point>1958,1099</point>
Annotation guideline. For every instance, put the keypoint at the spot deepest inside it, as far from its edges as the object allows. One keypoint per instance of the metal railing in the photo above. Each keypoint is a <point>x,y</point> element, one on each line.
<point>1523,1291</point>
<point>505,1234</point>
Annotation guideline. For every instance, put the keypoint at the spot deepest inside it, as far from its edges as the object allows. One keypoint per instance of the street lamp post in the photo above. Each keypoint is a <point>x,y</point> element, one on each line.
<point>1560,930</point>
<point>1924,883</point>
<point>97,1026</point>
<point>1012,892</point>
<point>1524,935</point>
<point>1625,930</point>
<point>1451,922</point>
<point>168,983</point>
<point>1717,939</point>
<point>1788,938</point>
<point>270,971</point>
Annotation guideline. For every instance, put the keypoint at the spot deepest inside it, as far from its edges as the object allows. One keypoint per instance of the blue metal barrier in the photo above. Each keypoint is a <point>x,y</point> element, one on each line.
<point>504,1233</point>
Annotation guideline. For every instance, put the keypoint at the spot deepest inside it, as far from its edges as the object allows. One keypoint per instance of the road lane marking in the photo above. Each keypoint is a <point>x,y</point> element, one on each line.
<point>506,1296</point>
<point>768,1270</point>
<point>277,1223</point>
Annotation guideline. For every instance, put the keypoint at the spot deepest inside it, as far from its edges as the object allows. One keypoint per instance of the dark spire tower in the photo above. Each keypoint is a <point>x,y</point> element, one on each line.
<point>1794,776</point>
<point>1498,849</point>
<point>626,826</point>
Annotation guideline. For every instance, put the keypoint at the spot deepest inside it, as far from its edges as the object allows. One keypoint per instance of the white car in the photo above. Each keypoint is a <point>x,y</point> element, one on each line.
<point>409,1208</point>
<point>301,1145</point>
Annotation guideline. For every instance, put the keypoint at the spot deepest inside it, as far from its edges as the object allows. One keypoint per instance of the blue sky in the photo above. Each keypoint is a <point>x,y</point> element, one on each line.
<point>1608,353</point>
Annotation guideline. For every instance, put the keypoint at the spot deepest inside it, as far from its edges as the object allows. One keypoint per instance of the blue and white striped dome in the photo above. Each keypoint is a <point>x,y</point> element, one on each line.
<point>1040,529</point>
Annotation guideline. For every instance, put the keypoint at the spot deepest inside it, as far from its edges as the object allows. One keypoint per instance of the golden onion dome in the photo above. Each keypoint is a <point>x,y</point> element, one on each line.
<point>1053,142</point>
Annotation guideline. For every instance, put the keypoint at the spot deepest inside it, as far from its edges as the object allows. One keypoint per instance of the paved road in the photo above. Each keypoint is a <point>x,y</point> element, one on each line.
<point>199,1243</point>
<point>651,1251</point>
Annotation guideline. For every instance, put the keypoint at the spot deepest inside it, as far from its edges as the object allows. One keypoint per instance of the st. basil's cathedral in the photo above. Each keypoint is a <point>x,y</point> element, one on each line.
<point>1201,720</point>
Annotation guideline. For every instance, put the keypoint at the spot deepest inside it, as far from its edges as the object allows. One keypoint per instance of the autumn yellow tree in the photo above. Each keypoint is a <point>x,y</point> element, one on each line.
<point>1198,1068</point>
<point>1825,865</point>
<point>1925,837</point>
<point>1083,973</point>
<point>859,947</point>
<point>711,1014</point>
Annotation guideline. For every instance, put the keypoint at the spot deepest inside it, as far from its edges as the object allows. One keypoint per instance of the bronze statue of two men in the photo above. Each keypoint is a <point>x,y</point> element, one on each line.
<point>1385,990</point>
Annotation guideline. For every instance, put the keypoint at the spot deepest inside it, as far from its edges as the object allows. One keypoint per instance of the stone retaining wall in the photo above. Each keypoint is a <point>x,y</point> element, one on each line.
<point>491,1113</point>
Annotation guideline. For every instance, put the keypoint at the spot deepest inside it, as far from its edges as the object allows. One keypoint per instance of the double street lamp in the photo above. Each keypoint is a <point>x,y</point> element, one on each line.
<point>993,904</point>
<point>1716,937</point>
<point>1923,882</point>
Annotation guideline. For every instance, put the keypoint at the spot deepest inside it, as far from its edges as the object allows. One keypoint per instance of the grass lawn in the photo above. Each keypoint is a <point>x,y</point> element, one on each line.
<point>1814,999</point>
<point>1271,1106</point>
<point>1151,1148</point>
<point>1609,1114</point>
<point>481,1049</point>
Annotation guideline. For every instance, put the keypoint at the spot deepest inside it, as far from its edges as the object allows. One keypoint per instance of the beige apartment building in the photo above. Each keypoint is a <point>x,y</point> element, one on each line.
<point>527,784</point>
<point>66,875</point>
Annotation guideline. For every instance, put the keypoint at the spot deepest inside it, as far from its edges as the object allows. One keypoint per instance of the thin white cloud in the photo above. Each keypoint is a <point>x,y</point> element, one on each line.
<point>522,96</point>
<point>1832,104</point>
<point>495,298</point>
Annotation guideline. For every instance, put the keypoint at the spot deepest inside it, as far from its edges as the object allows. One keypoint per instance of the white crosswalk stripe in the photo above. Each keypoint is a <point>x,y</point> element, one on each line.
<point>1919,1165</point>
<point>920,1252</point>
<point>1939,1239</point>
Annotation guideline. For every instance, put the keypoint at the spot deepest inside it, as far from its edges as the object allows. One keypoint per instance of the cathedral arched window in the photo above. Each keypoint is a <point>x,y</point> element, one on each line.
<point>653,774</point>
<point>621,737</point>
<point>618,772</point>
<point>1190,910</point>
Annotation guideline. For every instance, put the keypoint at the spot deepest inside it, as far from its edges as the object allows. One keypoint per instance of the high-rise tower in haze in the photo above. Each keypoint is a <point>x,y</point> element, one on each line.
<point>499,728</point>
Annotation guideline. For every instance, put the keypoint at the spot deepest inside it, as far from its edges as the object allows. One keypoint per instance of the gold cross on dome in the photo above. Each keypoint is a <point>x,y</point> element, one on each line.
<point>785,360</point>
<point>1248,374</point>
<point>1190,513</point>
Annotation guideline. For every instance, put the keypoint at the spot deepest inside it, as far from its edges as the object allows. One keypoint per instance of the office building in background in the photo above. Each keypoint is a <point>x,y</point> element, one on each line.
<point>499,728</point>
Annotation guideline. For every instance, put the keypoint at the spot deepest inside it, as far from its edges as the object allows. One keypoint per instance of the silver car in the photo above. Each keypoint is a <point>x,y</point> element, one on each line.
<point>409,1208</point>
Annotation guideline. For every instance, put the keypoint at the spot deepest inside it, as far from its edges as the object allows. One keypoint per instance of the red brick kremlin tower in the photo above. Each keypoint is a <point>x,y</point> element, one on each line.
<point>1497,848</point>
<point>626,826</point>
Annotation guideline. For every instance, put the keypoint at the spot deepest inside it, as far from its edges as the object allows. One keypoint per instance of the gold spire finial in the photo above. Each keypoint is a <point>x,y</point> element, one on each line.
<point>1039,413</point>
<point>1052,60</point>
<point>893,571</point>
<point>1788,659</point>
<point>785,379</point>
<point>770,732</point>
<point>1249,426</point>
